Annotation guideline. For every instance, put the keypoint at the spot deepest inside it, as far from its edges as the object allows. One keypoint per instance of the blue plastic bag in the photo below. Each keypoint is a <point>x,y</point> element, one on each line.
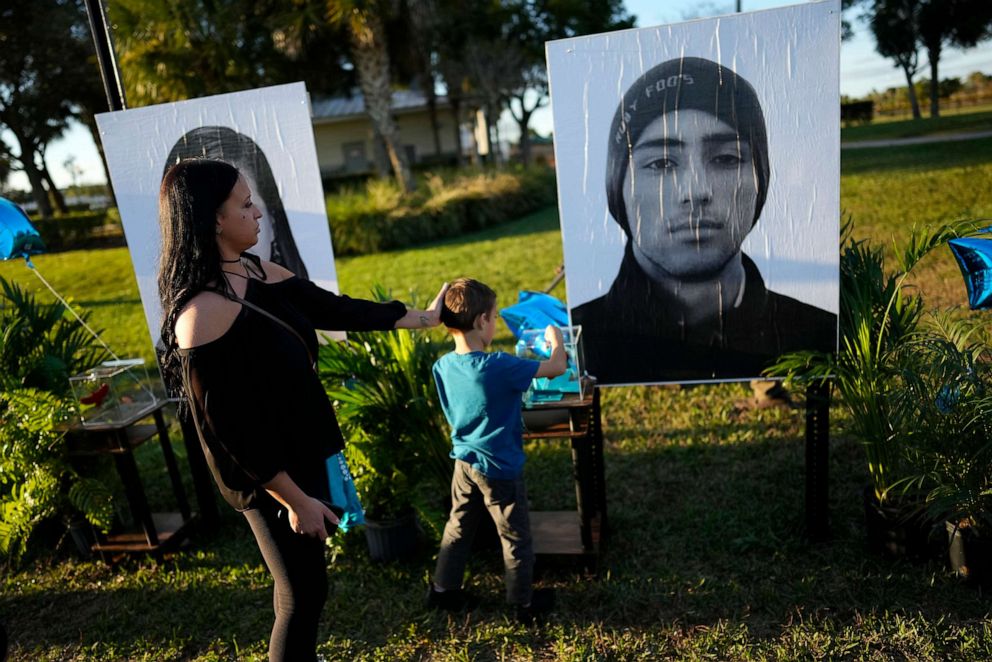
<point>534,310</point>
<point>343,494</point>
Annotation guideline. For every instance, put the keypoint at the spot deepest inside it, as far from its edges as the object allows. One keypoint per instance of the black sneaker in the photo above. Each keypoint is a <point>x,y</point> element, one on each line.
<point>451,600</point>
<point>542,602</point>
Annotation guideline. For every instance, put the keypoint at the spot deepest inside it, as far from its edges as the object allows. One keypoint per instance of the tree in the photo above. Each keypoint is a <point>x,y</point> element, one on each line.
<point>894,24</point>
<point>5,168</point>
<point>171,50</point>
<point>961,23</point>
<point>426,35</point>
<point>491,78</point>
<point>460,25</point>
<point>44,55</point>
<point>530,24</point>
<point>365,23</point>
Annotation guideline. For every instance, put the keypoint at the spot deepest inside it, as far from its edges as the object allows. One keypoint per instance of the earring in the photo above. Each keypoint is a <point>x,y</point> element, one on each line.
<point>219,230</point>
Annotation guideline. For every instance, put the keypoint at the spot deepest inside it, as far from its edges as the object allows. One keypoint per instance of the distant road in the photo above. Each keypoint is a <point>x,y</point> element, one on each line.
<point>920,140</point>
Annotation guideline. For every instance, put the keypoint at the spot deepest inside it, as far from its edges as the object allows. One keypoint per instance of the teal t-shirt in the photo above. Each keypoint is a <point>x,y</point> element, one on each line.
<point>480,395</point>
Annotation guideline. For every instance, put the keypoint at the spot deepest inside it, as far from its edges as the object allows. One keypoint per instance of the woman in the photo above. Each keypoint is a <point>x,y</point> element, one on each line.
<point>239,334</point>
<point>687,177</point>
<point>275,239</point>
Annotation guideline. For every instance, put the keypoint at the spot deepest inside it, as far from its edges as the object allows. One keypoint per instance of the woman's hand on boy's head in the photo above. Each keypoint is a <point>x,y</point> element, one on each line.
<point>422,319</point>
<point>432,316</point>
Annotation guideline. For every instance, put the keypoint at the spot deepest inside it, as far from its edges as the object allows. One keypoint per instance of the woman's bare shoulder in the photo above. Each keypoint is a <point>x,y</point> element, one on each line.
<point>205,318</point>
<point>275,272</point>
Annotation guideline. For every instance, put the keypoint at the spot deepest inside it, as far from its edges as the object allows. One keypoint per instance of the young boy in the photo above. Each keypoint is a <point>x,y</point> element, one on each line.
<point>480,395</point>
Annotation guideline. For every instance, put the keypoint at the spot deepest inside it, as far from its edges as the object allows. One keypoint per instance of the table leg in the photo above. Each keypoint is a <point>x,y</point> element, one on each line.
<point>599,464</point>
<point>128,471</point>
<point>171,466</point>
<point>584,481</point>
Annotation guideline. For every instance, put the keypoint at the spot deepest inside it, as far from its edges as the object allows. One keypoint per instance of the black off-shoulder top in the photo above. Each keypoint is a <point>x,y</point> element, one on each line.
<point>261,407</point>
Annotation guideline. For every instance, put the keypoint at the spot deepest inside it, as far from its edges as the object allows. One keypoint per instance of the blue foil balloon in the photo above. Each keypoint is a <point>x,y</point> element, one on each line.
<point>974,256</point>
<point>18,238</point>
<point>947,398</point>
<point>534,310</point>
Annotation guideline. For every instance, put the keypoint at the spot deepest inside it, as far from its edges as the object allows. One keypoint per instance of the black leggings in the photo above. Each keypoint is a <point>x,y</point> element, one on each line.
<point>298,566</point>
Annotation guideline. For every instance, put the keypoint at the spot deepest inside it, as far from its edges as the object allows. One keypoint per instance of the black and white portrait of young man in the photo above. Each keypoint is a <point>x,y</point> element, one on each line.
<point>699,193</point>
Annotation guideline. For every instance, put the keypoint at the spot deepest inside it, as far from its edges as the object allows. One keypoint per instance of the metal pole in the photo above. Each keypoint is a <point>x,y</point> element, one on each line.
<point>111,75</point>
<point>817,461</point>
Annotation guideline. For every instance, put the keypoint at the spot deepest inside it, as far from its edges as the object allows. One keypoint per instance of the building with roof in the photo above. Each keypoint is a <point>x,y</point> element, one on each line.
<point>347,144</point>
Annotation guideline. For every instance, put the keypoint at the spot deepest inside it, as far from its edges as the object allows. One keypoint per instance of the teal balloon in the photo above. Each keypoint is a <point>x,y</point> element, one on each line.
<point>974,257</point>
<point>18,238</point>
<point>534,310</point>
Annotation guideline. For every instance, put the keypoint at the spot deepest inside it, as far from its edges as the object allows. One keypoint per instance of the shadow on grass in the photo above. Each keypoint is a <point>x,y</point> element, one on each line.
<point>130,620</point>
<point>926,157</point>
<point>706,536</point>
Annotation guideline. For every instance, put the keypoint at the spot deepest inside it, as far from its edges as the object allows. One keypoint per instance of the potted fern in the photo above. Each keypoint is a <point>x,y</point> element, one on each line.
<point>946,404</point>
<point>879,315</point>
<point>39,349</point>
<point>387,404</point>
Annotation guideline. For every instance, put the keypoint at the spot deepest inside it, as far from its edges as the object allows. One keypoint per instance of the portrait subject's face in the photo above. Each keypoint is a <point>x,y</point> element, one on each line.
<point>266,234</point>
<point>690,193</point>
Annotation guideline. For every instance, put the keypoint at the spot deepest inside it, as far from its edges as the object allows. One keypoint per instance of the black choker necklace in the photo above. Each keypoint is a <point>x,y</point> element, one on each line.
<point>235,261</point>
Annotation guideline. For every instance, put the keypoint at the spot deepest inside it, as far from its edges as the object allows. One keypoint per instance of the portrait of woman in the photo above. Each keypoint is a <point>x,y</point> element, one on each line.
<point>687,177</point>
<point>275,240</point>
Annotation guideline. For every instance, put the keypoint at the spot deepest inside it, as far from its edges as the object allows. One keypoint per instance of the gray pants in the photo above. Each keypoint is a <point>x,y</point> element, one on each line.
<point>472,494</point>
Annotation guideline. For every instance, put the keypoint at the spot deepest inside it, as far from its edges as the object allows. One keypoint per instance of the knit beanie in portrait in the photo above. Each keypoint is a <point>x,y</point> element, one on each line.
<point>688,83</point>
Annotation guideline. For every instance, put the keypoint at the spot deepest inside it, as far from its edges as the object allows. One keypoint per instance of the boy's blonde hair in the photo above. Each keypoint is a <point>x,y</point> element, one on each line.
<point>465,300</point>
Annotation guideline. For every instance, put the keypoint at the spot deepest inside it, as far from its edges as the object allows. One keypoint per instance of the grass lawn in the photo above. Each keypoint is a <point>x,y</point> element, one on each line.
<point>706,559</point>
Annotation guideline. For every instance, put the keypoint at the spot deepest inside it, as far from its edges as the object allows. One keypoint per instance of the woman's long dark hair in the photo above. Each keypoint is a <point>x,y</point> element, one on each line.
<point>192,192</point>
<point>221,142</point>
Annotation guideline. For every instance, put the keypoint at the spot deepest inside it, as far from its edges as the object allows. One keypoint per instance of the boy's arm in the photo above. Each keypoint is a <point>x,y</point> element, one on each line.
<point>558,363</point>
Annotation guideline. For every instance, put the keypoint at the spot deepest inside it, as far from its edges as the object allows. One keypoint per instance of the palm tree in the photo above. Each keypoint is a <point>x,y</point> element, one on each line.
<point>364,20</point>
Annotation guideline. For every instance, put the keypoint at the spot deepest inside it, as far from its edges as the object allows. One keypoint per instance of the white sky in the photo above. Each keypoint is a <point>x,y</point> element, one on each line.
<point>862,70</point>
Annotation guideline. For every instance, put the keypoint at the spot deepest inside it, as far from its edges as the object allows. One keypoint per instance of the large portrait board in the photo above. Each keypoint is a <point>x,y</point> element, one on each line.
<point>266,134</point>
<point>699,191</point>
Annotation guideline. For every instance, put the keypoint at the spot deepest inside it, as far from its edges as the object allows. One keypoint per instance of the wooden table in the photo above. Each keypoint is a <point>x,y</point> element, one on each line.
<point>158,531</point>
<point>582,531</point>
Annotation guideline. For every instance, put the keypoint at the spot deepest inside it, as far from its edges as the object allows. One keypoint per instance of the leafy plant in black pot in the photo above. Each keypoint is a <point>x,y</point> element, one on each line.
<point>946,410</point>
<point>878,316</point>
<point>388,406</point>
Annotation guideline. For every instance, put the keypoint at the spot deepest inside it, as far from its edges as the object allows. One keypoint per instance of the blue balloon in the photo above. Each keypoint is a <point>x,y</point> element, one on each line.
<point>948,398</point>
<point>974,256</point>
<point>534,310</point>
<point>18,238</point>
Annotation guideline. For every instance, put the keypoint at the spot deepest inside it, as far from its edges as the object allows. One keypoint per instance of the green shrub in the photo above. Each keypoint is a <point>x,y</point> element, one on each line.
<point>39,349</point>
<point>945,406</point>
<point>390,411</point>
<point>378,218</point>
<point>70,230</point>
<point>879,316</point>
<point>36,480</point>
